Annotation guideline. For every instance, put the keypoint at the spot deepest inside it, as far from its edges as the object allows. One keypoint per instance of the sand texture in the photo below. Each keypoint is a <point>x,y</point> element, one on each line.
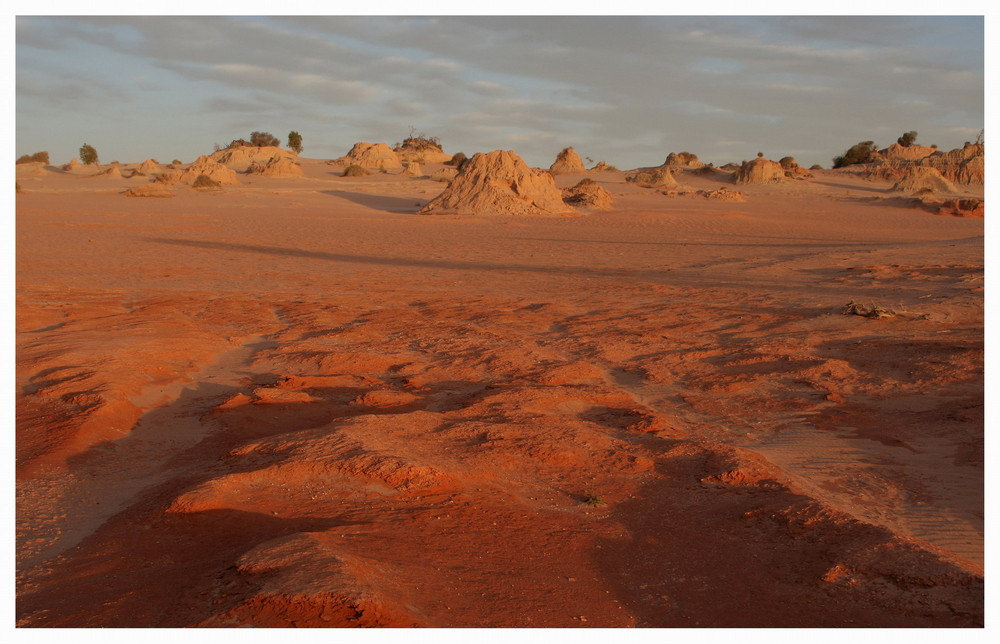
<point>295,401</point>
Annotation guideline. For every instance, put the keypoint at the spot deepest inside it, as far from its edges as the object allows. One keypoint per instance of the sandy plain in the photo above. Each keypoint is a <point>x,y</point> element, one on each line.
<point>296,402</point>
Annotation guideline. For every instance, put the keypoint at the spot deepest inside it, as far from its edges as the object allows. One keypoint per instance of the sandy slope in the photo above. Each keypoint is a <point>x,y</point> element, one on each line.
<point>295,402</point>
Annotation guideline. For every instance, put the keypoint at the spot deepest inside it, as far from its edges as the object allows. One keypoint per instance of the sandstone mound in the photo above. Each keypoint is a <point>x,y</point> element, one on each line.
<point>660,177</point>
<point>588,194</point>
<point>72,165</point>
<point>971,170</point>
<point>111,173</point>
<point>603,167</point>
<point>760,170</point>
<point>793,170</point>
<point>707,170</point>
<point>278,166</point>
<point>966,152</point>
<point>412,169</point>
<point>149,190</point>
<point>683,159</point>
<point>149,166</point>
<point>29,169</point>
<point>723,194</point>
<point>897,152</point>
<point>921,177</point>
<point>445,174</point>
<point>378,156</point>
<point>957,169</point>
<point>242,157</point>
<point>567,161</point>
<point>499,183</point>
<point>202,166</point>
<point>963,208</point>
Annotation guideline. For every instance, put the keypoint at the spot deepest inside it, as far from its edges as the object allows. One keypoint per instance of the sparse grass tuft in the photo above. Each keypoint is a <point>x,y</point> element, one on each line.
<point>593,500</point>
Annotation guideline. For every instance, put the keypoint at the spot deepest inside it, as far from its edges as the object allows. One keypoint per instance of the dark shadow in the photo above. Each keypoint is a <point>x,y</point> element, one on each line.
<point>176,571</point>
<point>851,186</point>
<point>676,275</point>
<point>398,205</point>
<point>717,555</point>
<point>148,564</point>
<point>791,244</point>
<point>385,261</point>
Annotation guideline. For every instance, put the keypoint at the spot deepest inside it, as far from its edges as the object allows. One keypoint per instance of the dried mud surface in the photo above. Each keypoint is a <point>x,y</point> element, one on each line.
<point>296,402</point>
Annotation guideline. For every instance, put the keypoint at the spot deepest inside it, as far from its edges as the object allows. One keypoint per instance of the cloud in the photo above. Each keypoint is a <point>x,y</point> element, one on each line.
<point>621,84</point>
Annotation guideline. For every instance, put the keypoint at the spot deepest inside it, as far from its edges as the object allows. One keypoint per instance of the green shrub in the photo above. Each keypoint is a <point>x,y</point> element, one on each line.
<point>457,160</point>
<point>264,139</point>
<point>859,153</point>
<point>908,139</point>
<point>205,181</point>
<point>37,157</point>
<point>356,171</point>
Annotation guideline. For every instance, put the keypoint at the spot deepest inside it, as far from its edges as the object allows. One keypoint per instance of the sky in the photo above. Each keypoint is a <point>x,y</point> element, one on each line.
<point>624,89</point>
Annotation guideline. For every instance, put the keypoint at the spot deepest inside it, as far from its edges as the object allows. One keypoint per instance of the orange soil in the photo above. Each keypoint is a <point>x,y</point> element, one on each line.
<point>295,402</point>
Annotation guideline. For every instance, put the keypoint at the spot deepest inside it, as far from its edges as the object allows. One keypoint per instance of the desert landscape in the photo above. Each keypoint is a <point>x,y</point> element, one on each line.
<point>410,388</point>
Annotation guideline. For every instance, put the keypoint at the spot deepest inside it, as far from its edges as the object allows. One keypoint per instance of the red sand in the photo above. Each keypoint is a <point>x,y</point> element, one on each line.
<point>295,402</point>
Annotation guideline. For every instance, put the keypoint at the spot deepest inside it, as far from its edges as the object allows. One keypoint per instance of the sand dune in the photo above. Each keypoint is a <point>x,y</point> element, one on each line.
<point>298,402</point>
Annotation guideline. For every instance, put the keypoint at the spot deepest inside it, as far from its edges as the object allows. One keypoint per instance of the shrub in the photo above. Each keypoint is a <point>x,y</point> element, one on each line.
<point>815,166</point>
<point>419,142</point>
<point>37,157</point>
<point>908,139</point>
<point>88,154</point>
<point>264,139</point>
<point>205,181</point>
<point>458,160</point>
<point>295,142</point>
<point>859,153</point>
<point>356,171</point>
<point>239,143</point>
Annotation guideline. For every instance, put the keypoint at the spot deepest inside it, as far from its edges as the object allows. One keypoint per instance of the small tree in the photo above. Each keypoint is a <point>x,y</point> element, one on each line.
<point>908,138</point>
<point>979,139</point>
<point>264,139</point>
<point>88,154</point>
<point>295,142</point>
<point>859,153</point>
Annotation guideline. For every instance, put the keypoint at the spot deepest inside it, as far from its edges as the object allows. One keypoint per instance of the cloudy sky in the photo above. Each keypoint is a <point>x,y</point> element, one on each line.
<point>627,90</point>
